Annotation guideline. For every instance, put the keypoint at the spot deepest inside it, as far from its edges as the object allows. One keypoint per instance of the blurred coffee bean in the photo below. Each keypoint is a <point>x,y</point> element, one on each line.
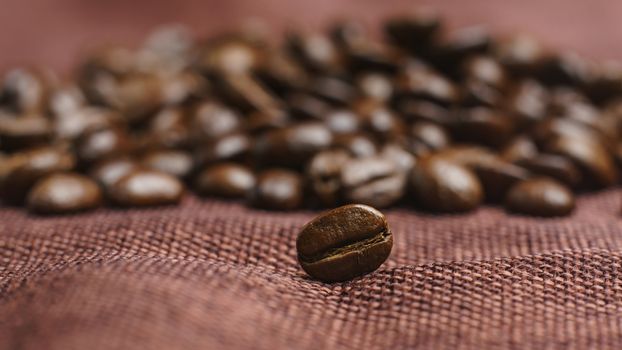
<point>282,74</point>
<point>233,147</point>
<point>519,149</point>
<point>227,180</point>
<point>356,144</point>
<point>24,91</point>
<point>444,186</point>
<point>564,69</point>
<point>278,189</point>
<point>483,126</point>
<point>100,143</point>
<point>477,93</point>
<point>260,122</point>
<point>373,57</point>
<point>458,46</point>
<point>294,145</point>
<point>606,84</point>
<point>64,193</point>
<point>109,171</point>
<point>380,120</point>
<point>419,82</point>
<point>520,54</point>
<point>143,188</point>
<point>497,176</point>
<point>343,121</point>
<point>70,124</point>
<point>22,170</point>
<point>348,34</point>
<point>413,32</point>
<point>304,106</point>
<point>430,134</point>
<point>230,55</point>
<point>554,166</point>
<point>469,156</point>
<point>540,197</point>
<point>404,160</point>
<point>373,181</point>
<point>170,128</point>
<point>416,110</point>
<point>593,159</point>
<point>22,132</point>
<point>484,69</point>
<point>375,86</point>
<point>527,102</point>
<point>245,92</point>
<point>316,52</point>
<point>324,174</point>
<point>212,120</point>
<point>335,91</point>
<point>174,162</point>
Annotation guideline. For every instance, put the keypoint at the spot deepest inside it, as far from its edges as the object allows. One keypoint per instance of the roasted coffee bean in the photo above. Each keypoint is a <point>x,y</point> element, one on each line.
<point>564,69</point>
<point>24,91</point>
<point>343,121</point>
<point>23,169</point>
<point>497,176</point>
<point>404,160</point>
<point>483,126</point>
<point>477,93</point>
<point>430,134</point>
<point>23,132</point>
<point>335,91</point>
<point>231,55</point>
<point>518,150</point>
<point>109,171</point>
<point>540,197</point>
<point>100,143</point>
<point>324,173</point>
<point>460,45</point>
<point>64,193</point>
<point>373,181</point>
<point>557,167</point>
<point>357,144</point>
<point>425,111</point>
<point>594,161</point>
<point>344,243</point>
<point>278,189</point>
<point>259,122</point>
<point>142,188</point>
<point>375,86</point>
<point>484,69</point>
<point>414,32</point>
<point>527,103</point>
<point>315,52</point>
<point>245,92</point>
<point>380,120</point>
<point>444,186</point>
<point>419,82</point>
<point>227,180</point>
<point>170,129</point>
<point>469,156</point>
<point>303,106</point>
<point>213,120</point>
<point>294,145</point>
<point>520,54</point>
<point>173,162</point>
<point>233,147</point>
<point>282,74</point>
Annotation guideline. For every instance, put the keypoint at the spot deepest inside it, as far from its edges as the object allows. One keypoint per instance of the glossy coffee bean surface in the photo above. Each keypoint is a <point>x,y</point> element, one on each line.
<point>226,180</point>
<point>540,197</point>
<point>146,188</point>
<point>344,243</point>
<point>64,193</point>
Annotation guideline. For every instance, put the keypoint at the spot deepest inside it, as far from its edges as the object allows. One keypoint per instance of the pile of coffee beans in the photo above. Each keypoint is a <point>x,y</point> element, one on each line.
<point>428,118</point>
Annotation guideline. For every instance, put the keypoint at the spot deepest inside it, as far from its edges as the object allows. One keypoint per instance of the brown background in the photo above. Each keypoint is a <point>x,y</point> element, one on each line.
<point>53,32</point>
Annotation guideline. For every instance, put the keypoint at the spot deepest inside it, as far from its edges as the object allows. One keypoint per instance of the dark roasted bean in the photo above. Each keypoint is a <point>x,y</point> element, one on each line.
<point>444,186</point>
<point>109,171</point>
<point>173,162</point>
<point>324,173</point>
<point>22,132</point>
<point>277,189</point>
<point>228,180</point>
<point>540,197</point>
<point>557,167</point>
<point>64,193</point>
<point>344,243</point>
<point>143,188</point>
<point>373,181</point>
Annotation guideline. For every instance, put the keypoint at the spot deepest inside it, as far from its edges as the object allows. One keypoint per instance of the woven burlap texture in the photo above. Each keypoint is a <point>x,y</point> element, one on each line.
<point>217,275</point>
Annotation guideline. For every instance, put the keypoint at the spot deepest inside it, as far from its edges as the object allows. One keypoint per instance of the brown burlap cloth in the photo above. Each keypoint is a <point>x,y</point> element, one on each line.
<point>213,275</point>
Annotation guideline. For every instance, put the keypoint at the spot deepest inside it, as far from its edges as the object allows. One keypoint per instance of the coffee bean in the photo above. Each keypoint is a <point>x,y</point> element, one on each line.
<point>527,103</point>
<point>430,134</point>
<point>64,193</point>
<point>519,149</point>
<point>344,243</point>
<point>230,55</point>
<point>324,173</point>
<point>100,143</point>
<point>484,69</point>
<point>497,176</point>
<point>404,160</point>
<point>315,52</point>
<point>23,132</point>
<point>520,54</point>
<point>419,82</point>
<point>173,162</point>
<point>233,147</point>
<point>373,181</point>
<point>343,121</point>
<point>416,110</point>
<point>213,120</point>
<point>593,159</point>
<point>380,120</point>
<point>143,188</point>
<point>483,126</point>
<point>335,91</point>
<point>109,171</point>
<point>356,144</point>
<point>540,197</point>
<point>25,168</point>
<point>375,86</point>
<point>292,146</point>
<point>557,167</point>
<point>227,180</point>
<point>414,32</point>
<point>304,106</point>
<point>25,91</point>
<point>564,69</point>
<point>444,186</point>
<point>277,189</point>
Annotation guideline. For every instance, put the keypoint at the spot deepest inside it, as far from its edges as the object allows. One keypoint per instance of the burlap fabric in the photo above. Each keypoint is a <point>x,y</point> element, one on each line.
<point>214,275</point>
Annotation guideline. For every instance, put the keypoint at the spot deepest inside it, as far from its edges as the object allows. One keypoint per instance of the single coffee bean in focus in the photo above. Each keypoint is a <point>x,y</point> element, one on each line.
<point>344,243</point>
